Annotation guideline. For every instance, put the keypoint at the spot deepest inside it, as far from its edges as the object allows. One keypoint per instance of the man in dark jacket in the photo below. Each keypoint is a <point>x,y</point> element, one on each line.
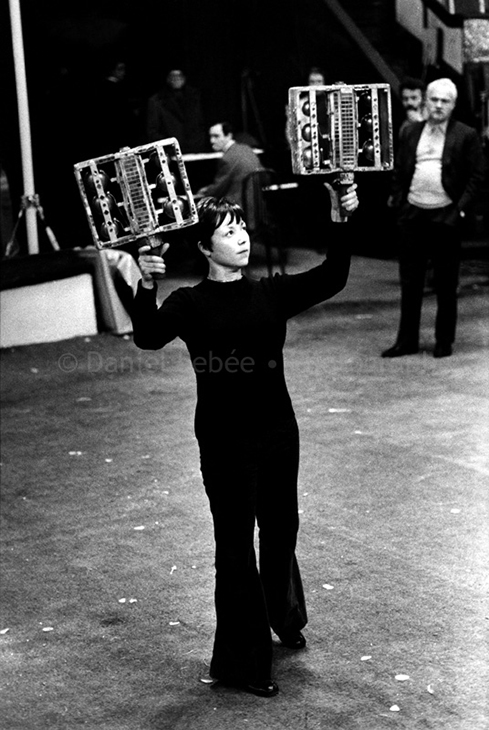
<point>439,168</point>
<point>176,111</point>
<point>237,161</point>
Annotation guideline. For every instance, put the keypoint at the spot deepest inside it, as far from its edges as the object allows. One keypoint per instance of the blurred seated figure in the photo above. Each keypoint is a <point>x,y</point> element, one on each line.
<point>237,161</point>
<point>176,111</point>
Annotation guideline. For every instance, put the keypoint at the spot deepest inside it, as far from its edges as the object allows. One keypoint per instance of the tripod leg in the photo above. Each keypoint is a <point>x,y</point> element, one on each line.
<point>49,233</point>
<point>12,247</point>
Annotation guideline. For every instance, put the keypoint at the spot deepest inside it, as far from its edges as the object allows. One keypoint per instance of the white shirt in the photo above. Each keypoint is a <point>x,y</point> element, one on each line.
<point>426,190</point>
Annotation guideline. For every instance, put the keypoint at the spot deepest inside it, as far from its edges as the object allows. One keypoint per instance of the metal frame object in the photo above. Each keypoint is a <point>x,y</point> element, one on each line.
<point>340,128</point>
<point>136,194</point>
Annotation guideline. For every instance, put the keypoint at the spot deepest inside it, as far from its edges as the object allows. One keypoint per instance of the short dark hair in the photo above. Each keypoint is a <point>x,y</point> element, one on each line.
<point>212,212</point>
<point>411,83</point>
<point>227,127</point>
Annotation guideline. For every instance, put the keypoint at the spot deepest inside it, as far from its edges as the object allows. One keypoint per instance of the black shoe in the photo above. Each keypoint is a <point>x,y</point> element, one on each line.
<point>294,640</point>
<point>400,350</point>
<point>265,689</point>
<point>442,350</point>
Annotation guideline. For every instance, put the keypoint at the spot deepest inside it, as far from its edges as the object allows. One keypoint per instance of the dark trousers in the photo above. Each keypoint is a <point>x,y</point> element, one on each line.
<point>250,479</point>
<point>425,237</point>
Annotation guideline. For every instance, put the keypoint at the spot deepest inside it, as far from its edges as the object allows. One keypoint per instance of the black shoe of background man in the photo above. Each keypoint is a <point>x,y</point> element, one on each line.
<point>442,350</point>
<point>399,350</point>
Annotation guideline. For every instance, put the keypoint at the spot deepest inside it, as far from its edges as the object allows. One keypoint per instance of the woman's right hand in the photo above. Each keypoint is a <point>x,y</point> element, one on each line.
<point>152,264</point>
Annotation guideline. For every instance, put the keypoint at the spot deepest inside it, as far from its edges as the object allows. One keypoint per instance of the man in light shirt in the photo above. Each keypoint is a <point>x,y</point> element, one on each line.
<point>439,168</point>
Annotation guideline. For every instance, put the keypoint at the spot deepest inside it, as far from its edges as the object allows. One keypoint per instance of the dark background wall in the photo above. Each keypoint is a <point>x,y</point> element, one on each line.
<point>269,43</point>
<point>215,41</point>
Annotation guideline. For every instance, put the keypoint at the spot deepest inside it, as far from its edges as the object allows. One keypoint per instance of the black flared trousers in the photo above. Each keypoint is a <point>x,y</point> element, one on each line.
<point>252,479</point>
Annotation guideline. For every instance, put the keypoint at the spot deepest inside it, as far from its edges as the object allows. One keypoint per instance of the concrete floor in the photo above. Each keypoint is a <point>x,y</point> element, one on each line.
<point>102,500</point>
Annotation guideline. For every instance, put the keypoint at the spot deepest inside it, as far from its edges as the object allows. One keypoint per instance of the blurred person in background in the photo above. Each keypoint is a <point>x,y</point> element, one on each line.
<point>412,93</point>
<point>176,111</point>
<point>116,119</point>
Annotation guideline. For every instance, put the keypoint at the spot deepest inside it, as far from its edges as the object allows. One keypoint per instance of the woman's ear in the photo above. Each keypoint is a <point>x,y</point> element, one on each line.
<point>203,250</point>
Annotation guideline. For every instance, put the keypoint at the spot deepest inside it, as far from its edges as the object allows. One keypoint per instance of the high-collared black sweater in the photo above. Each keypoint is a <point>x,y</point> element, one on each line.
<point>235,334</point>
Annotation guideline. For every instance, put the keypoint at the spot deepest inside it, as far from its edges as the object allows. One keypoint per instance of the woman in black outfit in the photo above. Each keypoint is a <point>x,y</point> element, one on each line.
<point>234,328</point>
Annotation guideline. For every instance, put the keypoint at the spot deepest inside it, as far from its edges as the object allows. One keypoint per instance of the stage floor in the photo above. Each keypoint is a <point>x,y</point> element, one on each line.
<point>107,614</point>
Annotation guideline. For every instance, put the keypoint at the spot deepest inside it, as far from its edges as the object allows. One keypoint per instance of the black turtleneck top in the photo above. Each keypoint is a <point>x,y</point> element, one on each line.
<point>235,333</point>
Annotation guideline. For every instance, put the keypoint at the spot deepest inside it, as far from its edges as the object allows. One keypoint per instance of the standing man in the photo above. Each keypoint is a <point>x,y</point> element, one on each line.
<point>116,123</point>
<point>237,161</point>
<point>438,170</point>
<point>412,99</point>
<point>176,111</point>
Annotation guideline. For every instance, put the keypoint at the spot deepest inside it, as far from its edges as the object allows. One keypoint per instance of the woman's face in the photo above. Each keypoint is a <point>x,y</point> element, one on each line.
<point>230,244</point>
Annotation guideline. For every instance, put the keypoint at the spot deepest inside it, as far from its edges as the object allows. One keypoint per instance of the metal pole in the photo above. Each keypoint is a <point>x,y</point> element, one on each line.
<point>24,125</point>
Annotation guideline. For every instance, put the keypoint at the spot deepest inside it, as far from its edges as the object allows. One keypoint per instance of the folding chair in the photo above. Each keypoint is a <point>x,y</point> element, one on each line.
<point>259,216</point>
